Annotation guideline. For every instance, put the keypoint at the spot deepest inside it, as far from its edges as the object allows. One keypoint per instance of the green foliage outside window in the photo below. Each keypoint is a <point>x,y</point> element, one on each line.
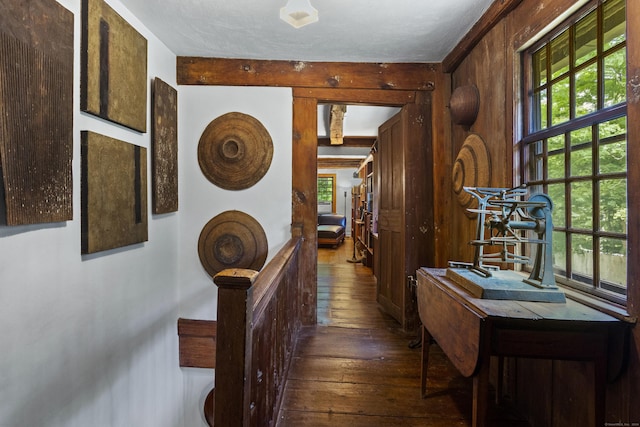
<point>325,190</point>
<point>578,88</point>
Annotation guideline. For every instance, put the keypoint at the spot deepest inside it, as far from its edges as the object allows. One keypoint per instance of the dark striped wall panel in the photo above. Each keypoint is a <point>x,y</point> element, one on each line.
<point>36,112</point>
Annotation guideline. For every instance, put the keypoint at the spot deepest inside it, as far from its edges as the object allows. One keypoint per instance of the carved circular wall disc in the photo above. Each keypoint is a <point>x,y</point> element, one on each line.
<point>232,239</point>
<point>235,151</point>
<point>472,168</point>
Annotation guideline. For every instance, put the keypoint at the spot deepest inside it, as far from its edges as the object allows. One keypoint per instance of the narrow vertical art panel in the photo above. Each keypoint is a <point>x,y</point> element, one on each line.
<point>114,67</point>
<point>36,112</point>
<point>164,164</point>
<point>114,193</point>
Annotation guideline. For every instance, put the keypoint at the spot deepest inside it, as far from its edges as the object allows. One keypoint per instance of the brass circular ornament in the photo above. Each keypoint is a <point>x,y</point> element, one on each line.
<point>235,151</point>
<point>232,239</point>
<point>472,168</point>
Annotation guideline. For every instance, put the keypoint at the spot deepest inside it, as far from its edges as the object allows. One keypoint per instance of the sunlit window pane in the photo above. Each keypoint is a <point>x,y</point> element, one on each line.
<point>540,68</point>
<point>582,205</point>
<point>586,38</point>
<point>613,157</point>
<point>615,78</point>
<point>581,162</point>
<point>560,107</point>
<point>581,136</point>
<point>555,143</point>
<point>540,119</point>
<point>612,150</point>
<point>613,261</point>
<point>582,257</point>
<point>556,192</point>
<point>612,128</point>
<point>560,55</point>
<point>536,160</point>
<point>614,23</point>
<point>581,158</point>
<point>559,252</point>
<point>555,166</point>
<point>586,90</point>
<point>613,205</point>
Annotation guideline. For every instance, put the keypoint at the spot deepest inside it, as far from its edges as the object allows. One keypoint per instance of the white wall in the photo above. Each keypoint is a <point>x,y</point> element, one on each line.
<point>92,340</point>
<point>268,201</point>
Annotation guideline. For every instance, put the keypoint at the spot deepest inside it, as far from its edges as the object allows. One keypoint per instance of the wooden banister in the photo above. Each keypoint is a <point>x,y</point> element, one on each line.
<point>258,322</point>
<point>233,352</point>
<point>272,273</point>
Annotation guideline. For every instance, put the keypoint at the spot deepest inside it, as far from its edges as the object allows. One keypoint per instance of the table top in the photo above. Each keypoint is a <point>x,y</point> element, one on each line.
<point>518,310</point>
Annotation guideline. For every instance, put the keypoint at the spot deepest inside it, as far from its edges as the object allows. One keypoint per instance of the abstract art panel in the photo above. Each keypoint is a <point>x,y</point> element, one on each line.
<point>114,193</point>
<point>114,67</point>
<point>164,165</point>
<point>36,111</point>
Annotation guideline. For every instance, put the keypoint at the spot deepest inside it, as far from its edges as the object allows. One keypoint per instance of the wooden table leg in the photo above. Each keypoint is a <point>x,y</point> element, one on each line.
<point>426,343</point>
<point>481,394</point>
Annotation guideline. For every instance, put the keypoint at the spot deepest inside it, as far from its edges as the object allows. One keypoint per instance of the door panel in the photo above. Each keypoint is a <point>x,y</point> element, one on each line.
<point>405,218</point>
<point>390,216</point>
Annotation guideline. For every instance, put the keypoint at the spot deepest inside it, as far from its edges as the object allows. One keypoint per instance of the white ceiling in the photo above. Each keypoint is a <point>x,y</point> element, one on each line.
<point>348,30</point>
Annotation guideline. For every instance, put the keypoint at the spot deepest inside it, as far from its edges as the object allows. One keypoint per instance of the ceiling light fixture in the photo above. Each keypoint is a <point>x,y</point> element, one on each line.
<point>299,13</point>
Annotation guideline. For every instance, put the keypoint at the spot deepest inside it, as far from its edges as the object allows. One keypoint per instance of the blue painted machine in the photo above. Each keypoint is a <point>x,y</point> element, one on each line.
<point>503,219</point>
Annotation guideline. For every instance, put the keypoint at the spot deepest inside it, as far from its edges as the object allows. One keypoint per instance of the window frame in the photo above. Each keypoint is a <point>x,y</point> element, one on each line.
<point>333,178</point>
<point>601,115</point>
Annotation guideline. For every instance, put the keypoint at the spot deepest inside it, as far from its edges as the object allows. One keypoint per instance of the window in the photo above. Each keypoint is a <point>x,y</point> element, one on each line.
<point>327,192</point>
<point>575,145</point>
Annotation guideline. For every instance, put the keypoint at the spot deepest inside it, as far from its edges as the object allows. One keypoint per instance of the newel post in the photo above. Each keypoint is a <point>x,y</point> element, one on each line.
<point>233,347</point>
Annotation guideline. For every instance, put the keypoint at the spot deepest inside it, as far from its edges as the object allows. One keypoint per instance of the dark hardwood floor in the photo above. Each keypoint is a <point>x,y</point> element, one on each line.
<point>356,369</point>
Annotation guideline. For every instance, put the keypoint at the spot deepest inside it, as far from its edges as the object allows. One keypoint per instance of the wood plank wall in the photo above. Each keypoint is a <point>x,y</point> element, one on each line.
<point>550,393</point>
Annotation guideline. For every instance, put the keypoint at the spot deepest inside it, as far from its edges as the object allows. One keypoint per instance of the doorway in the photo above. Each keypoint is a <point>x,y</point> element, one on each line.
<point>359,132</point>
<point>304,171</point>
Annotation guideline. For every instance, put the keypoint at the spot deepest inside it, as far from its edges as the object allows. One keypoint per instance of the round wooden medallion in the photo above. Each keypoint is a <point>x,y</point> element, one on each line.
<point>210,407</point>
<point>235,151</point>
<point>232,239</point>
<point>472,168</point>
<point>464,105</point>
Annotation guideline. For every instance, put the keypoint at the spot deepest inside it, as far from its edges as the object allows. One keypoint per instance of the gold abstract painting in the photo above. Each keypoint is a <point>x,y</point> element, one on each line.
<point>114,67</point>
<point>114,193</point>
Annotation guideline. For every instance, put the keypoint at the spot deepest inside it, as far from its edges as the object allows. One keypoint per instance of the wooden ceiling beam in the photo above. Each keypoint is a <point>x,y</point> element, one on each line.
<point>301,74</point>
<point>358,96</point>
<point>338,163</point>
<point>349,141</point>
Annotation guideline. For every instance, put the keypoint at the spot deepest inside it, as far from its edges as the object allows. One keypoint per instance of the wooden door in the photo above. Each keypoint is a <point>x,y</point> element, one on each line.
<point>390,216</point>
<point>405,218</point>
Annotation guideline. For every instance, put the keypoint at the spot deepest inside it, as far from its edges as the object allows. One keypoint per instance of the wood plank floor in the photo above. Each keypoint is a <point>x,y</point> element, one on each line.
<point>356,369</point>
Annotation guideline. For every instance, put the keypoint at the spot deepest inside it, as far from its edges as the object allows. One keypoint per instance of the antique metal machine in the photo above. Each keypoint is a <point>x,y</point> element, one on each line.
<point>504,221</point>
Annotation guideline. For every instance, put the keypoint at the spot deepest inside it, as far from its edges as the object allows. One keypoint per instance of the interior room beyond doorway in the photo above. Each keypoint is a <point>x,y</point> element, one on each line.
<point>359,130</point>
